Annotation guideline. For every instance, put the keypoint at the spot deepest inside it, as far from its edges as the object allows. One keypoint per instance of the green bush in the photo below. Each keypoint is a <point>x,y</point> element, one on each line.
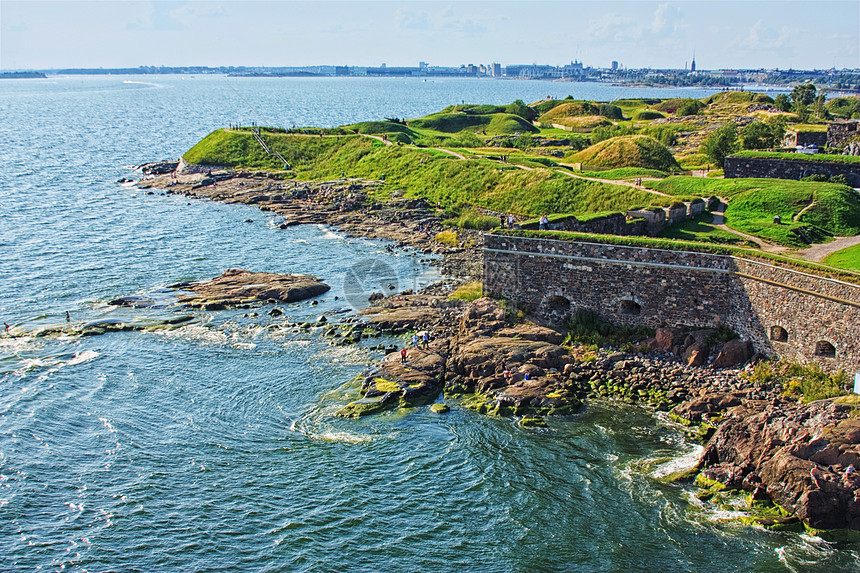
<point>472,219</point>
<point>649,115</point>
<point>808,382</point>
<point>610,111</point>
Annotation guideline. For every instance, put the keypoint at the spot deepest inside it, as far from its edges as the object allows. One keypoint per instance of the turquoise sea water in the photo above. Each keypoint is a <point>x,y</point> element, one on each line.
<point>212,447</point>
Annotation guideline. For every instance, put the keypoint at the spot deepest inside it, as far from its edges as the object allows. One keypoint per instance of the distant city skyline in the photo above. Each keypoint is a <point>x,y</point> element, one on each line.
<point>801,34</point>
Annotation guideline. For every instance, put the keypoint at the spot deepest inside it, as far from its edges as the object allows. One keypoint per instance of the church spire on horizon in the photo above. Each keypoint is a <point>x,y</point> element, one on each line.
<point>693,65</point>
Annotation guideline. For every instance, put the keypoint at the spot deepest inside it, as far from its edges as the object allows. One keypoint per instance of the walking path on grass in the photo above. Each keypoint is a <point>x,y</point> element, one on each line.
<point>610,181</point>
<point>720,223</point>
<point>821,251</point>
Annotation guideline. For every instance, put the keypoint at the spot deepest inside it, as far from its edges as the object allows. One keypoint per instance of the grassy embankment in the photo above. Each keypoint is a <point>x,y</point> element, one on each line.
<point>752,204</point>
<point>428,173</point>
<point>845,259</point>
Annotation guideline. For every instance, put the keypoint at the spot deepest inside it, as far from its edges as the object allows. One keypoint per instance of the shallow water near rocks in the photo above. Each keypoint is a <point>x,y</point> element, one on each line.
<point>211,446</point>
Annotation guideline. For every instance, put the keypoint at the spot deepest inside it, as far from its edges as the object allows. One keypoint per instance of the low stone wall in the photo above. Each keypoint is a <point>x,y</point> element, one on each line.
<point>841,132</point>
<point>783,312</point>
<point>634,222</point>
<point>790,168</point>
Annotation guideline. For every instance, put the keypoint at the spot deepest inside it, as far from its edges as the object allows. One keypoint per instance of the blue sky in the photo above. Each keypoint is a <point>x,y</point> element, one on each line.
<point>739,34</point>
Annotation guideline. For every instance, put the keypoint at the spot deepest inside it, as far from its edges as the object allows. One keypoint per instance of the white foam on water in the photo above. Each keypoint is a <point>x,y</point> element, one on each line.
<point>684,462</point>
<point>195,333</point>
<point>81,357</point>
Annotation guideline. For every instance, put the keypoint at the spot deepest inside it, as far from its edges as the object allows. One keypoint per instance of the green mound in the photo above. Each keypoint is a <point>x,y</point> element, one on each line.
<point>649,115</point>
<point>451,122</point>
<point>507,124</point>
<point>232,149</point>
<point>569,109</point>
<point>628,151</point>
<point>731,98</point>
<point>379,127</point>
<point>835,208</point>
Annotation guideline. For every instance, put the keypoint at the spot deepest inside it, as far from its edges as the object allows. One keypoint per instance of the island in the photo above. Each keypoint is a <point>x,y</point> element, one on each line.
<point>549,215</point>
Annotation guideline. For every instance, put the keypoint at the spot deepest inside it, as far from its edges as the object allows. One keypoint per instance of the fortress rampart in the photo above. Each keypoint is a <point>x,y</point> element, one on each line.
<point>792,314</point>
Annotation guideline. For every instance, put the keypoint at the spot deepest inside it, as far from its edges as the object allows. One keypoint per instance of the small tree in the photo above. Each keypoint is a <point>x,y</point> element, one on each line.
<point>818,106</point>
<point>803,93</point>
<point>802,111</point>
<point>782,102</point>
<point>777,130</point>
<point>756,135</point>
<point>722,143</point>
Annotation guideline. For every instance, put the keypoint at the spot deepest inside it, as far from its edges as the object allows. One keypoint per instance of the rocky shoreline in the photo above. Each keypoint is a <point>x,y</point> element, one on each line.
<point>792,460</point>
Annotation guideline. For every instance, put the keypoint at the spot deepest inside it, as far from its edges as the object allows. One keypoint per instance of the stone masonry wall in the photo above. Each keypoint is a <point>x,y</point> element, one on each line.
<point>655,287</point>
<point>790,168</point>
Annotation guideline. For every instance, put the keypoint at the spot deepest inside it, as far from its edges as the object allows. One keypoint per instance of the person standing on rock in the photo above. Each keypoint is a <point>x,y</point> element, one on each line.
<point>511,221</point>
<point>425,340</point>
<point>403,355</point>
<point>415,340</point>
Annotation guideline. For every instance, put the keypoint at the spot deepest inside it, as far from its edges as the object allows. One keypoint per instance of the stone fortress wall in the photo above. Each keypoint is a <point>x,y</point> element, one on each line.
<point>790,168</point>
<point>783,312</point>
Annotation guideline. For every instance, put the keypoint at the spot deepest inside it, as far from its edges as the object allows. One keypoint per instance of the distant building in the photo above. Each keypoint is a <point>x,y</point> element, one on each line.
<point>614,66</point>
<point>497,70</point>
<point>693,65</point>
<point>341,70</point>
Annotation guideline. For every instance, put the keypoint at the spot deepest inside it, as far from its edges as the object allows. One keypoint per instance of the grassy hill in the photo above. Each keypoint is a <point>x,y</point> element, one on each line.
<point>628,151</point>
<point>530,180</point>
<point>827,208</point>
<point>492,124</point>
<point>428,173</point>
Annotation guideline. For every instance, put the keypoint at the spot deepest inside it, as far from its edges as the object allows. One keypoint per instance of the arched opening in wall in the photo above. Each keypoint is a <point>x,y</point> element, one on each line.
<point>557,305</point>
<point>629,307</point>
<point>825,349</point>
<point>779,334</point>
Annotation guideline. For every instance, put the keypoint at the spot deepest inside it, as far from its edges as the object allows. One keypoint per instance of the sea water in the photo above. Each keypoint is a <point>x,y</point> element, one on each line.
<point>212,446</point>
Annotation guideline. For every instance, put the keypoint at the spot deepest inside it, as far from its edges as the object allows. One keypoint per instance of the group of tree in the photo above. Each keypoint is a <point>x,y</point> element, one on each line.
<point>729,139</point>
<point>799,101</point>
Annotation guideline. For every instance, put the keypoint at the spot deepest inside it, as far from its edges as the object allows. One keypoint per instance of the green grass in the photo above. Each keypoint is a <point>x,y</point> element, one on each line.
<point>507,124</point>
<point>835,211</point>
<point>451,122</point>
<point>628,151</point>
<point>472,219</point>
<point>468,291</point>
<point>752,204</point>
<point>845,259</point>
<point>440,177</point>
<point>700,229</point>
<point>805,381</point>
<point>625,173</point>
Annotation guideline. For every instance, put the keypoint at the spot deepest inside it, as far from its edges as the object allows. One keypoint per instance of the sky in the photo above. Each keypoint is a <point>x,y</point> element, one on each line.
<point>800,34</point>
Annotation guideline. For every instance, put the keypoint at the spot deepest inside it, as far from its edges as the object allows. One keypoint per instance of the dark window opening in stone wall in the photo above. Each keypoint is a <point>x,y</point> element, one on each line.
<point>778,334</point>
<point>558,305</point>
<point>629,307</point>
<point>824,348</point>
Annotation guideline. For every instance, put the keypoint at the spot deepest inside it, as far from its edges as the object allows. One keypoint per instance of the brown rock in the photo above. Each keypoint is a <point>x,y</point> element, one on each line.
<point>733,353</point>
<point>237,286</point>
<point>697,353</point>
